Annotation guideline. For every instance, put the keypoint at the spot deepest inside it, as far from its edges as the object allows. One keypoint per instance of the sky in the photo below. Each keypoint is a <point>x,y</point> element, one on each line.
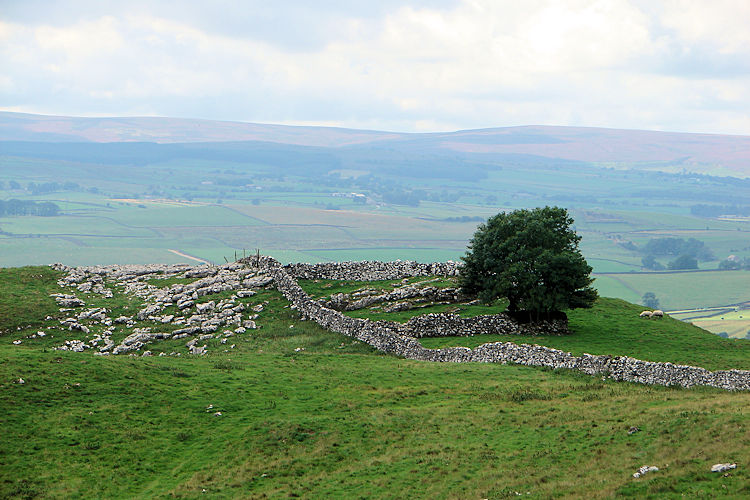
<point>408,66</point>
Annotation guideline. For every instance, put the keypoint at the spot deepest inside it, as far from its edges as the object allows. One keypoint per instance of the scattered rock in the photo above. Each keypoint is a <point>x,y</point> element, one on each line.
<point>65,300</point>
<point>644,470</point>
<point>723,467</point>
<point>204,308</point>
<point>198,351</point>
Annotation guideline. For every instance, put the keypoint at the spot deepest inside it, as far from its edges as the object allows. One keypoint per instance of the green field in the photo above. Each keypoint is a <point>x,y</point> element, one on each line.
<point>340,420</point>
<point>211,210</point>
<point>683,290</point>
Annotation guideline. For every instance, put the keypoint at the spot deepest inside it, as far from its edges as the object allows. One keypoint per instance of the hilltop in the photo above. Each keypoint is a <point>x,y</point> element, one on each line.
<point>289,408</point>
<point>654,150</point>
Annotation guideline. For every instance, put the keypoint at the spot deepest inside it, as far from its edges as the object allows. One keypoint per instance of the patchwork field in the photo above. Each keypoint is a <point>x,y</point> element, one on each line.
<point>142,203</point>
<point>683,290</point>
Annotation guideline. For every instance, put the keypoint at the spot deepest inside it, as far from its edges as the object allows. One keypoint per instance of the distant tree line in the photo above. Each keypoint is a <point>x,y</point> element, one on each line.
<point>464,218</point>
<point>649,300</point>
<point>402,197</point>
<point>239,181</point>
<point>702,210</point>
<point>687,253</point>
<point>52,187</point>
<point>678,246</point>
<point>735,263</point>
<point>25,207</point>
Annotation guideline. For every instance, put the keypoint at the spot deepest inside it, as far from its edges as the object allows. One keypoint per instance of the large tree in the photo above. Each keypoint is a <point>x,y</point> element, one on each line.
<point>531,258</point>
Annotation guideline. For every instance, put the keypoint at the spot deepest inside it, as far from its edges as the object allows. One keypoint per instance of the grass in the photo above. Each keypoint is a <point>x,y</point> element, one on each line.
<point>613,327</point>
<point>97,229</point>
<point>157,216</point>
<point>24,298</point>
<point>169,281</point>
<point>322,425</point>
<point>463,310</point>
<point>338,419</point>
<point>326,288</point>
<point>687,290</point>
<point>732,320</point>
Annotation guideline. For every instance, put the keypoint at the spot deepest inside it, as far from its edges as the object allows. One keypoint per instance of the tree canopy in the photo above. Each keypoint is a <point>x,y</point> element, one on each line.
<point>531,258</point>
<point>650,300</point>
<point>684,261</point>
<point>28,207</point>
<point>678,246</point>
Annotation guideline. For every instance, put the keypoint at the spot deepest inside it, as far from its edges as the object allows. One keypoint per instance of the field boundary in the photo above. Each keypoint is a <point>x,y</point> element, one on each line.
<point>388,339</point>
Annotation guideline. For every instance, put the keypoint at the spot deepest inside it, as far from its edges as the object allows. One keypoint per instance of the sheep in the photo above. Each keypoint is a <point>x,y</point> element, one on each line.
<point>657,314</point>
<point>645,314</point>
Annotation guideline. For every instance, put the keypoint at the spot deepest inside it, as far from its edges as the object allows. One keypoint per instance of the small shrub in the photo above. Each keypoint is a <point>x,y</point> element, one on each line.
<point>92,445</point>
<point>225,364</point>
<point>180,373</point>
<point>521,394</point>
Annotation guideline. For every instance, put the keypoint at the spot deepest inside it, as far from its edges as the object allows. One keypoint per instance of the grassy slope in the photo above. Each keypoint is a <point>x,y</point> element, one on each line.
<point>613,327</point>
<point>24,296</point>
<point>338,420</point>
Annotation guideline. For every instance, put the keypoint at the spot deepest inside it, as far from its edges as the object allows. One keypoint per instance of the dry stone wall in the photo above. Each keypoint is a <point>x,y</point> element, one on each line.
<point>369,270</point>
<point>427,325</point>
<point>451,324</point>
<point>388,337</point>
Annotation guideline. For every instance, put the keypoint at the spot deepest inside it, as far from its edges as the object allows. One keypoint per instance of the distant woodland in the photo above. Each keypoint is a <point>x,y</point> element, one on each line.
<point>25,207</point>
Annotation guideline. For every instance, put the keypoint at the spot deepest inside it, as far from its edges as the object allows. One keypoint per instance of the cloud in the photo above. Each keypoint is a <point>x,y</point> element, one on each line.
<point>387,65</point>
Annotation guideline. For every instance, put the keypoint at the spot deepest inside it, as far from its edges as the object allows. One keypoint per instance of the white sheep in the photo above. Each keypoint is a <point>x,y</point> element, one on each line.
<point>657,314</point>
<point>645,314</point>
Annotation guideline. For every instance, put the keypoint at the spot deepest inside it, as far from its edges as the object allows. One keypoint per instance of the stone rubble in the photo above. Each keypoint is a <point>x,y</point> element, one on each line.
<point>723,467</point>
<point>194,315</point>
<point>367,270</point>
<point>369,297</point>
<point>66,300</point>
<point>645,469</point>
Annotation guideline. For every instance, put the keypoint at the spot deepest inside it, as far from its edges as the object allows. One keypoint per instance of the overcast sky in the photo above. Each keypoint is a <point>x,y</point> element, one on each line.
<point>414,65</point>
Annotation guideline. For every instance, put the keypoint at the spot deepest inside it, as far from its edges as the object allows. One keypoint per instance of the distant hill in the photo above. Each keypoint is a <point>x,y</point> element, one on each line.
<point>28,127</point>
<point>649,150</point>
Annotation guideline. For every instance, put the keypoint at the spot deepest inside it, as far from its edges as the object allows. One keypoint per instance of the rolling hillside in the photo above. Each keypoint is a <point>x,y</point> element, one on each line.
<point>666,151</point>
<point>290,409</point>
